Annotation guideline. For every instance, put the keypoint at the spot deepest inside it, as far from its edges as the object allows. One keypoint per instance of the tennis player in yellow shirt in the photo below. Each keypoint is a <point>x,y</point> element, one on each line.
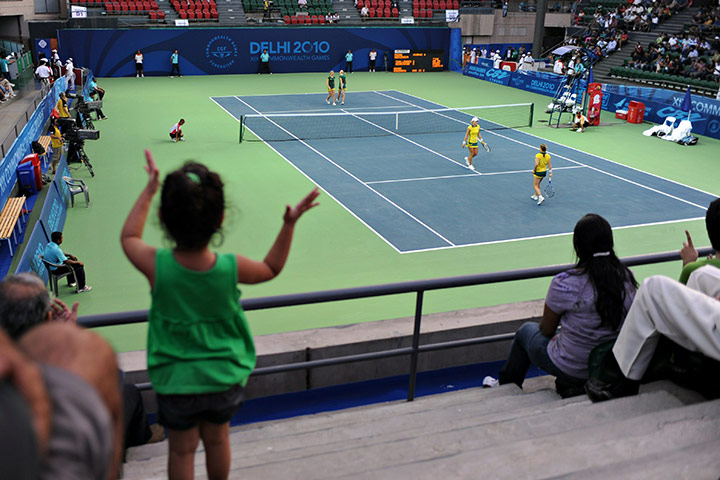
<point>542,168</point>
<point>472,137</point>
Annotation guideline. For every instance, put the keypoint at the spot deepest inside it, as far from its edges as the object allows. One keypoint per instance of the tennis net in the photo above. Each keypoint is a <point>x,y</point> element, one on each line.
<point>312,126</point>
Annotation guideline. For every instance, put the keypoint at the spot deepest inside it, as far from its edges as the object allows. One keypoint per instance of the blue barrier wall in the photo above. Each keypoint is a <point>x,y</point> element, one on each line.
<point>109,53</point>
<point>23,144</point>
<point>659,104</point>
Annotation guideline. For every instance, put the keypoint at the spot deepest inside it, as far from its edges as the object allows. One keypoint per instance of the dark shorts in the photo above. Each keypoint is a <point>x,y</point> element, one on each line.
<point>540,174</point>
<point>183,412</point>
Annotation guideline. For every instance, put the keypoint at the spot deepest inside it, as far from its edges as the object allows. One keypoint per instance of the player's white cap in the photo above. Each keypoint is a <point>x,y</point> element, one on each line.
<point>475,120</point>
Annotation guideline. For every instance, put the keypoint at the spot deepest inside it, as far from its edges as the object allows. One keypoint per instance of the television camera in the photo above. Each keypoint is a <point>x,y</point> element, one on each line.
<point>76,142</point>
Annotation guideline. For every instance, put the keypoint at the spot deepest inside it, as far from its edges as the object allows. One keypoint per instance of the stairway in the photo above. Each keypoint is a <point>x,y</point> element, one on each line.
<point>601,70</point>
<point>504,432</point>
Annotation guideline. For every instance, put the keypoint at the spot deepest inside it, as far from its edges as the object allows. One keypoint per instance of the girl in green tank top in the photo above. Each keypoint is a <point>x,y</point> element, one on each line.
<point>199,343</point>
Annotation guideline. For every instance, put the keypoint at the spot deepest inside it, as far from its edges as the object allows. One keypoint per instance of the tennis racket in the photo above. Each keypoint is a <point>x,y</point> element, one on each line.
<point>485,146</point>
<point>549,190</point>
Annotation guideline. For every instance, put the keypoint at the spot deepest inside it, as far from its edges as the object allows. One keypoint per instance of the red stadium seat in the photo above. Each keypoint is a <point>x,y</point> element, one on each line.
<point>198,14</point>
<point>360,4</point>
<point>153,16</point>
<point>321,19</point>
<point>191,14</point>
<point>371,12</point>
<point>183,14</point>
<point>416,12</point>
<point>456,5</point>
<point>387,12</point>
<point>131,7</point>
<point>214,13</point>
<point>395,12</point>
<point>286,19</point>
<point>161,15</point>
<point>123,7</point>
<point>294,20</point>
<point>378,13</point>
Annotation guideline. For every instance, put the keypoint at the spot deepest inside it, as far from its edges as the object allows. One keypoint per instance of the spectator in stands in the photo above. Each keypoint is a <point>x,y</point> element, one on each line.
<point>139,71</point>
<point>25,304</point>
<point>68,378</point>
<point>473,55</point>
<point>497,60</point>
<point>43,73</point>
<point>483,52</point>
<point>558,66</point>
<point>589,302</point>
<point>62,106</point>
<point>54,254</point>
<point>70,73</point>
<point>4,65</point>
<point>198,370</point>
<point>690,255</point>
<point>302,4</point>
<point>264,62</point>
<point>8,87</point>
<point>505,8</point>
<point>175,62</point>
<point>176,132</point>
<point>687,315</point>
<point>364,11</point>
<point>95,89</point>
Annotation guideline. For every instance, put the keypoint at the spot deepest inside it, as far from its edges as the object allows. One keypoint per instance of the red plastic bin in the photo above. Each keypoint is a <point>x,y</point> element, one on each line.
<point>636,112</point>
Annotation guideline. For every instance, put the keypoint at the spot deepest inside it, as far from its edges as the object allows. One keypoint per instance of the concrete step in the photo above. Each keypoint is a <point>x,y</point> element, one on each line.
<point>354,442</point>
<point>553,454</point>
<point>695,462</point>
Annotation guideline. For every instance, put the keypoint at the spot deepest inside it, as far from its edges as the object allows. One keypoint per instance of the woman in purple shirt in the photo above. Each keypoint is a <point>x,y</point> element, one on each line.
<point>590,301</point>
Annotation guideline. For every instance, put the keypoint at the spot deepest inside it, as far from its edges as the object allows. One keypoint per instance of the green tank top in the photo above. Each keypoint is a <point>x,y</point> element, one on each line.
<point>198,338</point>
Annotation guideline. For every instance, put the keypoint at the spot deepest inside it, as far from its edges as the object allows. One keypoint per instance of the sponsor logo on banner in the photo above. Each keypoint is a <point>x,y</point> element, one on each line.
<point>498,76</point>
<point>221,51</point>
<point>296,51</point>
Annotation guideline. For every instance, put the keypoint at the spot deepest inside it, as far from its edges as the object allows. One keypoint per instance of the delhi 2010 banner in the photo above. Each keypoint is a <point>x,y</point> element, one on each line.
<point>109,53</point>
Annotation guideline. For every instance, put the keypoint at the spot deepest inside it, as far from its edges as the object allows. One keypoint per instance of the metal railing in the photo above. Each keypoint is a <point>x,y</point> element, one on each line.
<point>14,132</point>
<point>418,287</point>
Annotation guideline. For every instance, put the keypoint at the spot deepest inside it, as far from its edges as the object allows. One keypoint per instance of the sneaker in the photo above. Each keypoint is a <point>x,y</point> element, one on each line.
<point>12,84</point>
<point>467,162</point>
<point>174,77</point>
<point>86,288</point>
<point>327,101</point>
<point>490,382</point>
<point>157,433</point>
<point>334,103</point>
<point>342,103</point>
<point>534,197</point>
<point>174,140</point>
<point>471,167</point>
<point>72,285</point>
<point>137,76</point>
<point>541,199</point>
<point>143,75</point>
<point>182,139</point>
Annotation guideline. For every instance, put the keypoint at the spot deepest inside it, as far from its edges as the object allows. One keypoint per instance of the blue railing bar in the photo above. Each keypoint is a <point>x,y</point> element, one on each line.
<point>139,316</point>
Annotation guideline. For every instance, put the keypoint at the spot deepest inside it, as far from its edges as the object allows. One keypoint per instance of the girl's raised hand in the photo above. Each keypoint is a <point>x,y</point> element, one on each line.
<point>293,214</point>
<point>153,173</point>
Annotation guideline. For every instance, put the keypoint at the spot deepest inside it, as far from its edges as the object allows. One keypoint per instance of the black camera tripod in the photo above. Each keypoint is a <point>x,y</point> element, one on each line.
<point>76,152</point>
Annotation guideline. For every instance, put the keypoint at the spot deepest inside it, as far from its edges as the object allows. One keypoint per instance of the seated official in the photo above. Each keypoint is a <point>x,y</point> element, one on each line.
<point>54,254</point>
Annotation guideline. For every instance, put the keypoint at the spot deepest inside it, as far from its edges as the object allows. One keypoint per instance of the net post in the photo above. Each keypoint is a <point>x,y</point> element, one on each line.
<point>532,111</point>
<point>397,122</point>
<point>240,134</point>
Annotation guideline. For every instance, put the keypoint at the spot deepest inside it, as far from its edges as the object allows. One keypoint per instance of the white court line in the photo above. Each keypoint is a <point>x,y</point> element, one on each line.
<point>580,163</point>
<point>358,180</point>
<point>466,175</point>
<point>551,235</point>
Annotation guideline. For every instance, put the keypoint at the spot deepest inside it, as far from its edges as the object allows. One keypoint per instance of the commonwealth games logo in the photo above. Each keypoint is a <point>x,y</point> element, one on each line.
<point>221,51</point>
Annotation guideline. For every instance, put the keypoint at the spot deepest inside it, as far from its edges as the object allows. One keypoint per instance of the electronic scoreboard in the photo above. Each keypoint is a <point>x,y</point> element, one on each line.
<point>418,61</point>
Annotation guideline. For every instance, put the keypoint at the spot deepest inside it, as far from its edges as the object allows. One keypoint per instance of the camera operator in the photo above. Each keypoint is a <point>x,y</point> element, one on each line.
<point>56,143</point>
<point>95,89</point>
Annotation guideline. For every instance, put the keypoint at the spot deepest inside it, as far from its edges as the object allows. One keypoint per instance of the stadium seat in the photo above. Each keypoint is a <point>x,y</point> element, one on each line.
<point>395,12</point>
<point>191,14</point>
<point>54,277</point>
<point>321,19</point>
<point>442,4</point>
<point>160,15</point>
<point>198,14</point>
<point>371,12</point>
<point>183,14</point>
<point>456,5</point>
<point>293,20</point>
<point>286,19</point>
<point>153,16</point>
<point>387,12</point>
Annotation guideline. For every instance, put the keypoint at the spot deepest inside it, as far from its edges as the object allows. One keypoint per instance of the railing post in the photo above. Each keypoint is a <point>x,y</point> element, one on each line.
<point>415,345</point>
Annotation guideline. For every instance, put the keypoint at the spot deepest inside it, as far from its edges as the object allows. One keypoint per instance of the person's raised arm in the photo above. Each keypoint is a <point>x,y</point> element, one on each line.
<point>140,254</point>
<point>688,253</point>
<point>250,271</point>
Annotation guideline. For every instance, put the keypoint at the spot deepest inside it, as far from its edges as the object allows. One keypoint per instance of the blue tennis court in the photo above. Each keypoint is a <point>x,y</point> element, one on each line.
<point>413,190</point>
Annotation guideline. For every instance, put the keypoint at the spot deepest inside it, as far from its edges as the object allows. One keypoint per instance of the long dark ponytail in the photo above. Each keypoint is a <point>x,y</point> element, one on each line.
<point>593,242</point>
